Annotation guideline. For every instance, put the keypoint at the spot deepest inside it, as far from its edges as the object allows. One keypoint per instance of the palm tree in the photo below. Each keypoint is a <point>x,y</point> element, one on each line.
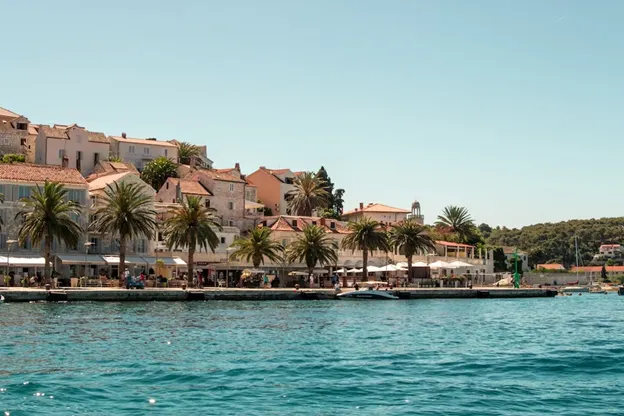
<point>457,220</point>
<point>366,235</point>
<point>410,237</point>
<point>128,213</point>
<point>256,246</point>
<point>308,194</point>
<point>186,151</point>
<point>312,247</point>
<point>191,225</point>
<point>47,215</point>
<point>157,171</point>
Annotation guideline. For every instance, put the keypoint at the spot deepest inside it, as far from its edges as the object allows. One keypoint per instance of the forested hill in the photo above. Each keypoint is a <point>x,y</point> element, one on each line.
<point>554,242</point>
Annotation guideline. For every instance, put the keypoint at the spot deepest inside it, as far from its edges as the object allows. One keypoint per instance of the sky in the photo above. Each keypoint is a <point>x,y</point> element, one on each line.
<point>513,110</point>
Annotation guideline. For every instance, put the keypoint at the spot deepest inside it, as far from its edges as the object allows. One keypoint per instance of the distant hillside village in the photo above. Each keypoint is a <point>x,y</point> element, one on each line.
<point>88,163</point>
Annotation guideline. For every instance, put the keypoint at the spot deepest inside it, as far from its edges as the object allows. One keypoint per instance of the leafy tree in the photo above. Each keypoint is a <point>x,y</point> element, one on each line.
<point>157,171</point>
<point>47,215</point>
<point>256,246</point>
<point>409,237</point>
<point>335,199</point>
<point>368,236</point>
<point>13,158</point>
<point>268,212</point>
<point>128,213</point>
<point>114,158</point>
<point>500,260</point>
<point>610,262</point>
<point>312,247</point>
<point>485,230</point>
<point>457,220</point>
<point>186,151</point>
<point>603,274</point>
<point>191,225</point>
<point>329,213</point>
<point>308,195</point>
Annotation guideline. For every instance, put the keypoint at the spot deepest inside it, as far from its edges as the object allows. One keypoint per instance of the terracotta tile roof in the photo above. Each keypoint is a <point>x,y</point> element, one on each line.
<point>378,208</point>
<point>33,129</point>
<point>213,174</point>
<point>299,173</point>
<point>102,182</point>
<point>54,132</point>
<point>95,137</point>
<point>8,114</point>
<point>609,247</point>
<point>552,266</point>
<point>451,244</point>
<point>596,269</point>
<point>27,172</point>
<point>283,223</point>
<point>191,187</point>
<point>143,141</point>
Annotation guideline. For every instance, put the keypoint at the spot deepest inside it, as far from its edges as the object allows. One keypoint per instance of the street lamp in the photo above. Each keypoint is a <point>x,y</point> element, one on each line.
<point>9,244</point>
<point>227,276</point>
<point>86,245</point>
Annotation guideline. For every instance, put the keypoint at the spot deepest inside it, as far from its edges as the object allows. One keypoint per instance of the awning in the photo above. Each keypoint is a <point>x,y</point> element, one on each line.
<point>167,261</point>
<point>81,259</point>
<point>23,261</point>
<point>179,261</point>
<point>114,260</point>
<point>253,205</point>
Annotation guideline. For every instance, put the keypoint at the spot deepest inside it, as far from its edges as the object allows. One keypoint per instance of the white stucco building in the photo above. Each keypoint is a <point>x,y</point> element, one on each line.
<point>141,151</point>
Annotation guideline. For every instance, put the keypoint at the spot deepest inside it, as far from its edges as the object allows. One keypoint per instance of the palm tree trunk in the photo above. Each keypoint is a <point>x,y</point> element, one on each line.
<point>122,260</point>
<point>47,254</point>
<point>409,269</point>
<point>310,273</point>
<point>191,260</point>
<point>364,265</point>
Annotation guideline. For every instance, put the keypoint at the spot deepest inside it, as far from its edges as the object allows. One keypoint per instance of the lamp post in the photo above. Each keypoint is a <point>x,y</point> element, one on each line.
<point>9,244</point>
<point>87,245</point>
<point>227,276</point>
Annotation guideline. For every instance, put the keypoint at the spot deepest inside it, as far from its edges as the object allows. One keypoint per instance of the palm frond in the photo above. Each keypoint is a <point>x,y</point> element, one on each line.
<point>256,246</point>
<point>191,225</point>
<point>308,194</point>
<point>312,247</point>
<point>410,237</point>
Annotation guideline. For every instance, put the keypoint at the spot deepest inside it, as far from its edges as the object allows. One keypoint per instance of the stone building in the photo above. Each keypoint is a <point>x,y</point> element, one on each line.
<point>14,133</point>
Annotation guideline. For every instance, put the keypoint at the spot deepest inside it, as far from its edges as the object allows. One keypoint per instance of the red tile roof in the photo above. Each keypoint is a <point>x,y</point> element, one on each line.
<point>191,187</point>
<point>283,223</point>
<point>213,174</point>
<point>8,114</point>
<point>451,244</point>
<point>374,207</point>
<point>550,266</point>
<point>27,172</point>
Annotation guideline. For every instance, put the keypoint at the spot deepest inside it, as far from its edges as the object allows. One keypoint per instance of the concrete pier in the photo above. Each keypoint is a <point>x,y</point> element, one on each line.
<point>167,295</point>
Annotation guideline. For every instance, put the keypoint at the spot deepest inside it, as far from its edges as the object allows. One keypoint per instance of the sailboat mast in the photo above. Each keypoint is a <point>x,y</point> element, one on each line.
<point>576,253</point>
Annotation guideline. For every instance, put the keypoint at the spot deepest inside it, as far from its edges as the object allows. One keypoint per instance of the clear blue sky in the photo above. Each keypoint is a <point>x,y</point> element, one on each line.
<point>512,109</point>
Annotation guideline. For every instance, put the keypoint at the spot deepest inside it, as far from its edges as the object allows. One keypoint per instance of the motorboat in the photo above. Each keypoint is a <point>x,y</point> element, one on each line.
<point>1,299</point>
<point>575,289</point>
<point>369,294</point>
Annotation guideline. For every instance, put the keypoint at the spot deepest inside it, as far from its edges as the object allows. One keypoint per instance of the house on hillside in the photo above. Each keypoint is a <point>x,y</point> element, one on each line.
<point>272,186</point>
<point>378,212</point>
<point>70,146</point>
<point>15,137</point>
<point>522,256</point>
<point>141,151</point>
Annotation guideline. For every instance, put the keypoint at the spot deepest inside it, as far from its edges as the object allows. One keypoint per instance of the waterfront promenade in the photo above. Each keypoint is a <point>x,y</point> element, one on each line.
<point>233,294</point>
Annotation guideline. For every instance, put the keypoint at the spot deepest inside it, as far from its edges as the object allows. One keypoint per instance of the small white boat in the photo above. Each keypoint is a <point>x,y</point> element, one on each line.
<point>575,289</point>
<point>1,299</point>
<point>369,294</point>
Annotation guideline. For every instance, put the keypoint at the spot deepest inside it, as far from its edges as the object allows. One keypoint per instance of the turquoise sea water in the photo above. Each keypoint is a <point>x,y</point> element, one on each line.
<point>561,356</point>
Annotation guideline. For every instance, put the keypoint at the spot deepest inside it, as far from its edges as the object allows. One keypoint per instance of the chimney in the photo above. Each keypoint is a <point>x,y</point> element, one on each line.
<point>262,167</point>
<point>323,222</point>
<point>65,162</point>
<point>237,166</point>
<point>193,162</point>
<point>361,206</point>
<point>178,192</point>
<point>123,134</point>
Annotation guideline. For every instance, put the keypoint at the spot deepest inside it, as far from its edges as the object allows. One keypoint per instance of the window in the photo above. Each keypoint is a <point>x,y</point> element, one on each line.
<point>222,240</point>
<point>313,222</point>
<point>23,192</point>
<point>140,246</point>
<point>61,153</point>
<point>167,185</point>
<point>22,126</point>
<point>146,150</point>
<point>284,243</point>
<point>294,223</point>
<point>230,205</point>
<point>207,203</point>
<point>231,223</point>
<point>95,245</point>
<point>166,152</point>
<point>160,236</point>
<point>23,142</point>
<point>130,149</point>
<point>96,158</point>
<point>231,187</point>
<point>332,225</point>
<point>75,195</point>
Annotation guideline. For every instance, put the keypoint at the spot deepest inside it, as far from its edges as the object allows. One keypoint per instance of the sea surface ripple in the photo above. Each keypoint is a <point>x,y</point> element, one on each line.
<point>561,356</point>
